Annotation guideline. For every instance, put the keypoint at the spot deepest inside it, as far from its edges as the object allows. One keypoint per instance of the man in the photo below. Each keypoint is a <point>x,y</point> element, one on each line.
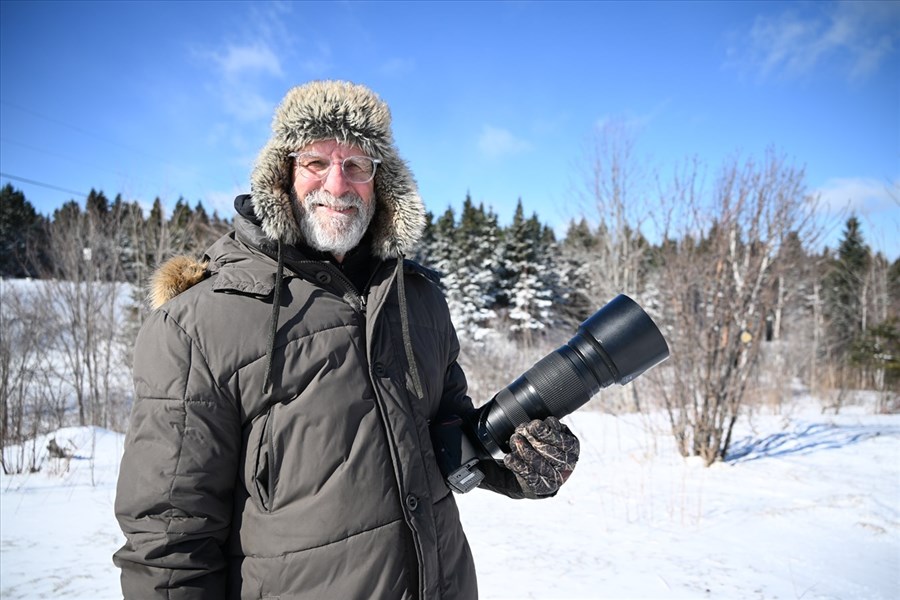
<point>284,386</point>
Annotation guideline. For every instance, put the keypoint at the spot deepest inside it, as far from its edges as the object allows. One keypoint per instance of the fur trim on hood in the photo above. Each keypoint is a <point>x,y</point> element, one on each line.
<point>173,277</point>
<point>350,114</point>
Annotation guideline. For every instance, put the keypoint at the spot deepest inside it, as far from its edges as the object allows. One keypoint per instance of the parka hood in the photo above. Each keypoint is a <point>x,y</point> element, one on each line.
<point>173,277</point>
<point>349,114</point>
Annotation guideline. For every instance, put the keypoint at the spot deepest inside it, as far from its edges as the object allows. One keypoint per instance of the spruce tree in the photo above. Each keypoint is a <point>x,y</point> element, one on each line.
<point>21,230</point>
<point>527,275</point>
<point>97,204</point>
<point>547,271</point>
<point>491,265</point>
<point>444,258</point>
<point>443,254</point>
<point>424,251</point>
<point>156,240</point>
<point>575,273</point>
<point>101,232</point>
<point>181,233</point>
<point>128,223</point>
<point>476,271</point>
<point>200,215</point>
<point>843,288</point>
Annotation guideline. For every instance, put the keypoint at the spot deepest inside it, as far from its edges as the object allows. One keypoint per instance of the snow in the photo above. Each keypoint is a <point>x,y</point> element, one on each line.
<point>57,527</point>
<point>809,508</point>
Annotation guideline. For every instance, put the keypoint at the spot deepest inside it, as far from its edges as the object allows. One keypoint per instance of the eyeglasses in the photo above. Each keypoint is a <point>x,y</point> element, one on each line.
<point>357,169</point>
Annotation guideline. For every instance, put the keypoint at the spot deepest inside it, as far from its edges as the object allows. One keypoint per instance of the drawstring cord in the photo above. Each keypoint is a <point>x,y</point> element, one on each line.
<point>404,325</point>
<point>273,324</point>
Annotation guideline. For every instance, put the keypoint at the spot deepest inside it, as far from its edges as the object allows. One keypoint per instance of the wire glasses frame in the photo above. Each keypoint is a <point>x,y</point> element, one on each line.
<point>357,169</point>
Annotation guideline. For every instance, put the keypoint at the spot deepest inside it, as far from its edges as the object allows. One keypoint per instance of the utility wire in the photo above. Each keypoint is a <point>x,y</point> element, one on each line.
<point>81,130</point>
<point>57,155</point>
<point>42,184</point>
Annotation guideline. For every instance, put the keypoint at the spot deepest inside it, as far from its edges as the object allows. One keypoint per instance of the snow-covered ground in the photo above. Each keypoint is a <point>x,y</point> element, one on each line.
<point>811,510</point>
<point>57,527</point>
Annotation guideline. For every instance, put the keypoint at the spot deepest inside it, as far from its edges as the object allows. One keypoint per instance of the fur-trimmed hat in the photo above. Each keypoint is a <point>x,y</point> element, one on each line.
<point>349,114</point>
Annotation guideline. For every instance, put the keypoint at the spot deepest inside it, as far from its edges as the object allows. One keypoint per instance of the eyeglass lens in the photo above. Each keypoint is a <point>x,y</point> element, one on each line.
<point>358,169</point>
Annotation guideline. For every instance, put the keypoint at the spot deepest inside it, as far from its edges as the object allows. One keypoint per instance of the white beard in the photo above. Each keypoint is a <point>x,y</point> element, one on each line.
<point>333,232</point>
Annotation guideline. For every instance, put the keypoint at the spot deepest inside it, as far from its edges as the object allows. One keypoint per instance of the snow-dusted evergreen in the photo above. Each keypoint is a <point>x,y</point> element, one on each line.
<point>475,295</point>
<point>574,266</point>
<point>497,280</point>
<point>529,277</point>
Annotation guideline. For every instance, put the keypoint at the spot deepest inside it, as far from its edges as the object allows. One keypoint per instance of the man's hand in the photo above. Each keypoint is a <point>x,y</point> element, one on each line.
<point>542,455</point>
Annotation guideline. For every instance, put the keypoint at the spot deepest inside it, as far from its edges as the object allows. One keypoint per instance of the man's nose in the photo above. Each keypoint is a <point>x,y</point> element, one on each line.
<point>335,182</point>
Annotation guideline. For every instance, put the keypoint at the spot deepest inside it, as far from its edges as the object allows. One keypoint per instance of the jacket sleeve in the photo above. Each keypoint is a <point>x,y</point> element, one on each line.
<point>455,401</point>
<point>178,471</point>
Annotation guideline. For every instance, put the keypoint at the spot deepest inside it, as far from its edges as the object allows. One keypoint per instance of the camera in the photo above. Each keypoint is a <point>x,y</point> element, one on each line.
<point>615,344</point>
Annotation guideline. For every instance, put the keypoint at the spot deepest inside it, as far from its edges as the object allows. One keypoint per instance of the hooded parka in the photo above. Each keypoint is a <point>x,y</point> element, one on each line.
<point>279,444</point>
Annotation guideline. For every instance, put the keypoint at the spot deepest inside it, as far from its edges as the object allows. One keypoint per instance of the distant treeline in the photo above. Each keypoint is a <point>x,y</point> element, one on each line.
<point>747,305</point>
<point>116,236</point>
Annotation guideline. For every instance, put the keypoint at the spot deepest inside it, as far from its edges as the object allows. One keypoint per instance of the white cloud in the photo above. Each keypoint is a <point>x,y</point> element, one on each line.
<point>877,205</point>
<point>495,142</point>
<point>859,36</point>
<point>631,120</point>
<point>238,71</point>
<point>246,104</point>
<point>859,195</point>
<point>240,61</point>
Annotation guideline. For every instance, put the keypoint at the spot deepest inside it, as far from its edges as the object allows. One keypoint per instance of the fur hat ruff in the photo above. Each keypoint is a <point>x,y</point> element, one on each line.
<point>349,114</point>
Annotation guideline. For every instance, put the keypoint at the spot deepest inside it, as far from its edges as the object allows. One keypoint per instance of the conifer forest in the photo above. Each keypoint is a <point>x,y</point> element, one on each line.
<point>729,263</point>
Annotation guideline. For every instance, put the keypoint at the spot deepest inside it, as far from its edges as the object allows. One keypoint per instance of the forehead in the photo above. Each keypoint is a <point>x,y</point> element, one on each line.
<point>332,147</point>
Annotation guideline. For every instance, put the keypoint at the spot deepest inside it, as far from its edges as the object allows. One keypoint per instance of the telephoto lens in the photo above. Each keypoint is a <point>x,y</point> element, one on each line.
<point>614,345</point>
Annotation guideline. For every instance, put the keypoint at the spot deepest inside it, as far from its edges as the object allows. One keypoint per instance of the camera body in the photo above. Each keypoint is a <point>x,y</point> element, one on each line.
<point>616,344</point>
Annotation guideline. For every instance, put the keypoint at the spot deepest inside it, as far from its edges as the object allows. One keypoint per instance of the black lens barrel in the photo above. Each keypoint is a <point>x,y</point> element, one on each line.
<point>616,344</point>
<point>628,336</point>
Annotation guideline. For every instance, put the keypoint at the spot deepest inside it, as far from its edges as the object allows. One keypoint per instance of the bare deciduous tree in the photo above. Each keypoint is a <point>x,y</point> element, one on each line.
<point>81,308</point>
<point>616,193</point>
<point>22,361</point>
<point>719,285</point>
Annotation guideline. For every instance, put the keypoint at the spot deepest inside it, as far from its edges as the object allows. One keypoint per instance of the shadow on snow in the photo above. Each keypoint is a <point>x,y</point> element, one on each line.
<point>805,439</point>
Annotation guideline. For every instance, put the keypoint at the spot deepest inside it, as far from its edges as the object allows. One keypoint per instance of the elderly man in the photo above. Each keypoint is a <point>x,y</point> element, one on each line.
<point>284,385</point>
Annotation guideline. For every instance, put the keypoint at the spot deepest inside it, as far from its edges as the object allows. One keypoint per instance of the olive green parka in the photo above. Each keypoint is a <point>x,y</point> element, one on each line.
<point>279,443</point>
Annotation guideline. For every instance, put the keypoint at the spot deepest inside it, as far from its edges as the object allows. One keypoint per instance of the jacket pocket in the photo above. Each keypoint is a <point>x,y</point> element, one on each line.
<point>260,467</point>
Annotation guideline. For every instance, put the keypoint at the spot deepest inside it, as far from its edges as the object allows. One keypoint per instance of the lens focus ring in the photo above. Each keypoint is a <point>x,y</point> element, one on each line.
<point>558,383</point>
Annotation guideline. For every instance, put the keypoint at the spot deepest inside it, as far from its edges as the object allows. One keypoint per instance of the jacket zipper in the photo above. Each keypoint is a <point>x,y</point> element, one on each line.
<point>398,470</point>
<point>347,285</point>
<point>389,432</point>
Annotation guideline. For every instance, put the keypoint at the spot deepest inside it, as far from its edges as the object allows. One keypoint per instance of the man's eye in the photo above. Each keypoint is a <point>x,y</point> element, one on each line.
<point>357,167</point>
<point>315,164</point>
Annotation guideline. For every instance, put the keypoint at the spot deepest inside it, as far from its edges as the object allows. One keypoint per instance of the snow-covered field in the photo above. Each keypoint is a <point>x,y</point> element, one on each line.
<point>811,510</point>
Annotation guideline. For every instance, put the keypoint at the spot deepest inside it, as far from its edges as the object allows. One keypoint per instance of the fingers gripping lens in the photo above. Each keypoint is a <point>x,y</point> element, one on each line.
<point>615,345</point>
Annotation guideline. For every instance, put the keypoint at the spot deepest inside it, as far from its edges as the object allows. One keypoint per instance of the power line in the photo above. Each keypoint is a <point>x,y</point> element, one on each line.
<point>42,184</point>
<point>56,154</point>
<point>82,131</point>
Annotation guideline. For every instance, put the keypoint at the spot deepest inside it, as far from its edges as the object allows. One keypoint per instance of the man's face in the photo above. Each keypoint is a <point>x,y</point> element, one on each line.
<point>333,213</point>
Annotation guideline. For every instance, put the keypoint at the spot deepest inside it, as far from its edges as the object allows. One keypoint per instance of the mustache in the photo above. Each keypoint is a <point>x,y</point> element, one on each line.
<point>325,198</point>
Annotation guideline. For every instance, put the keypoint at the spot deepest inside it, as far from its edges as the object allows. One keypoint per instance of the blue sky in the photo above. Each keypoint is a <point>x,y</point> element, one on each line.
<point>500,100</point>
